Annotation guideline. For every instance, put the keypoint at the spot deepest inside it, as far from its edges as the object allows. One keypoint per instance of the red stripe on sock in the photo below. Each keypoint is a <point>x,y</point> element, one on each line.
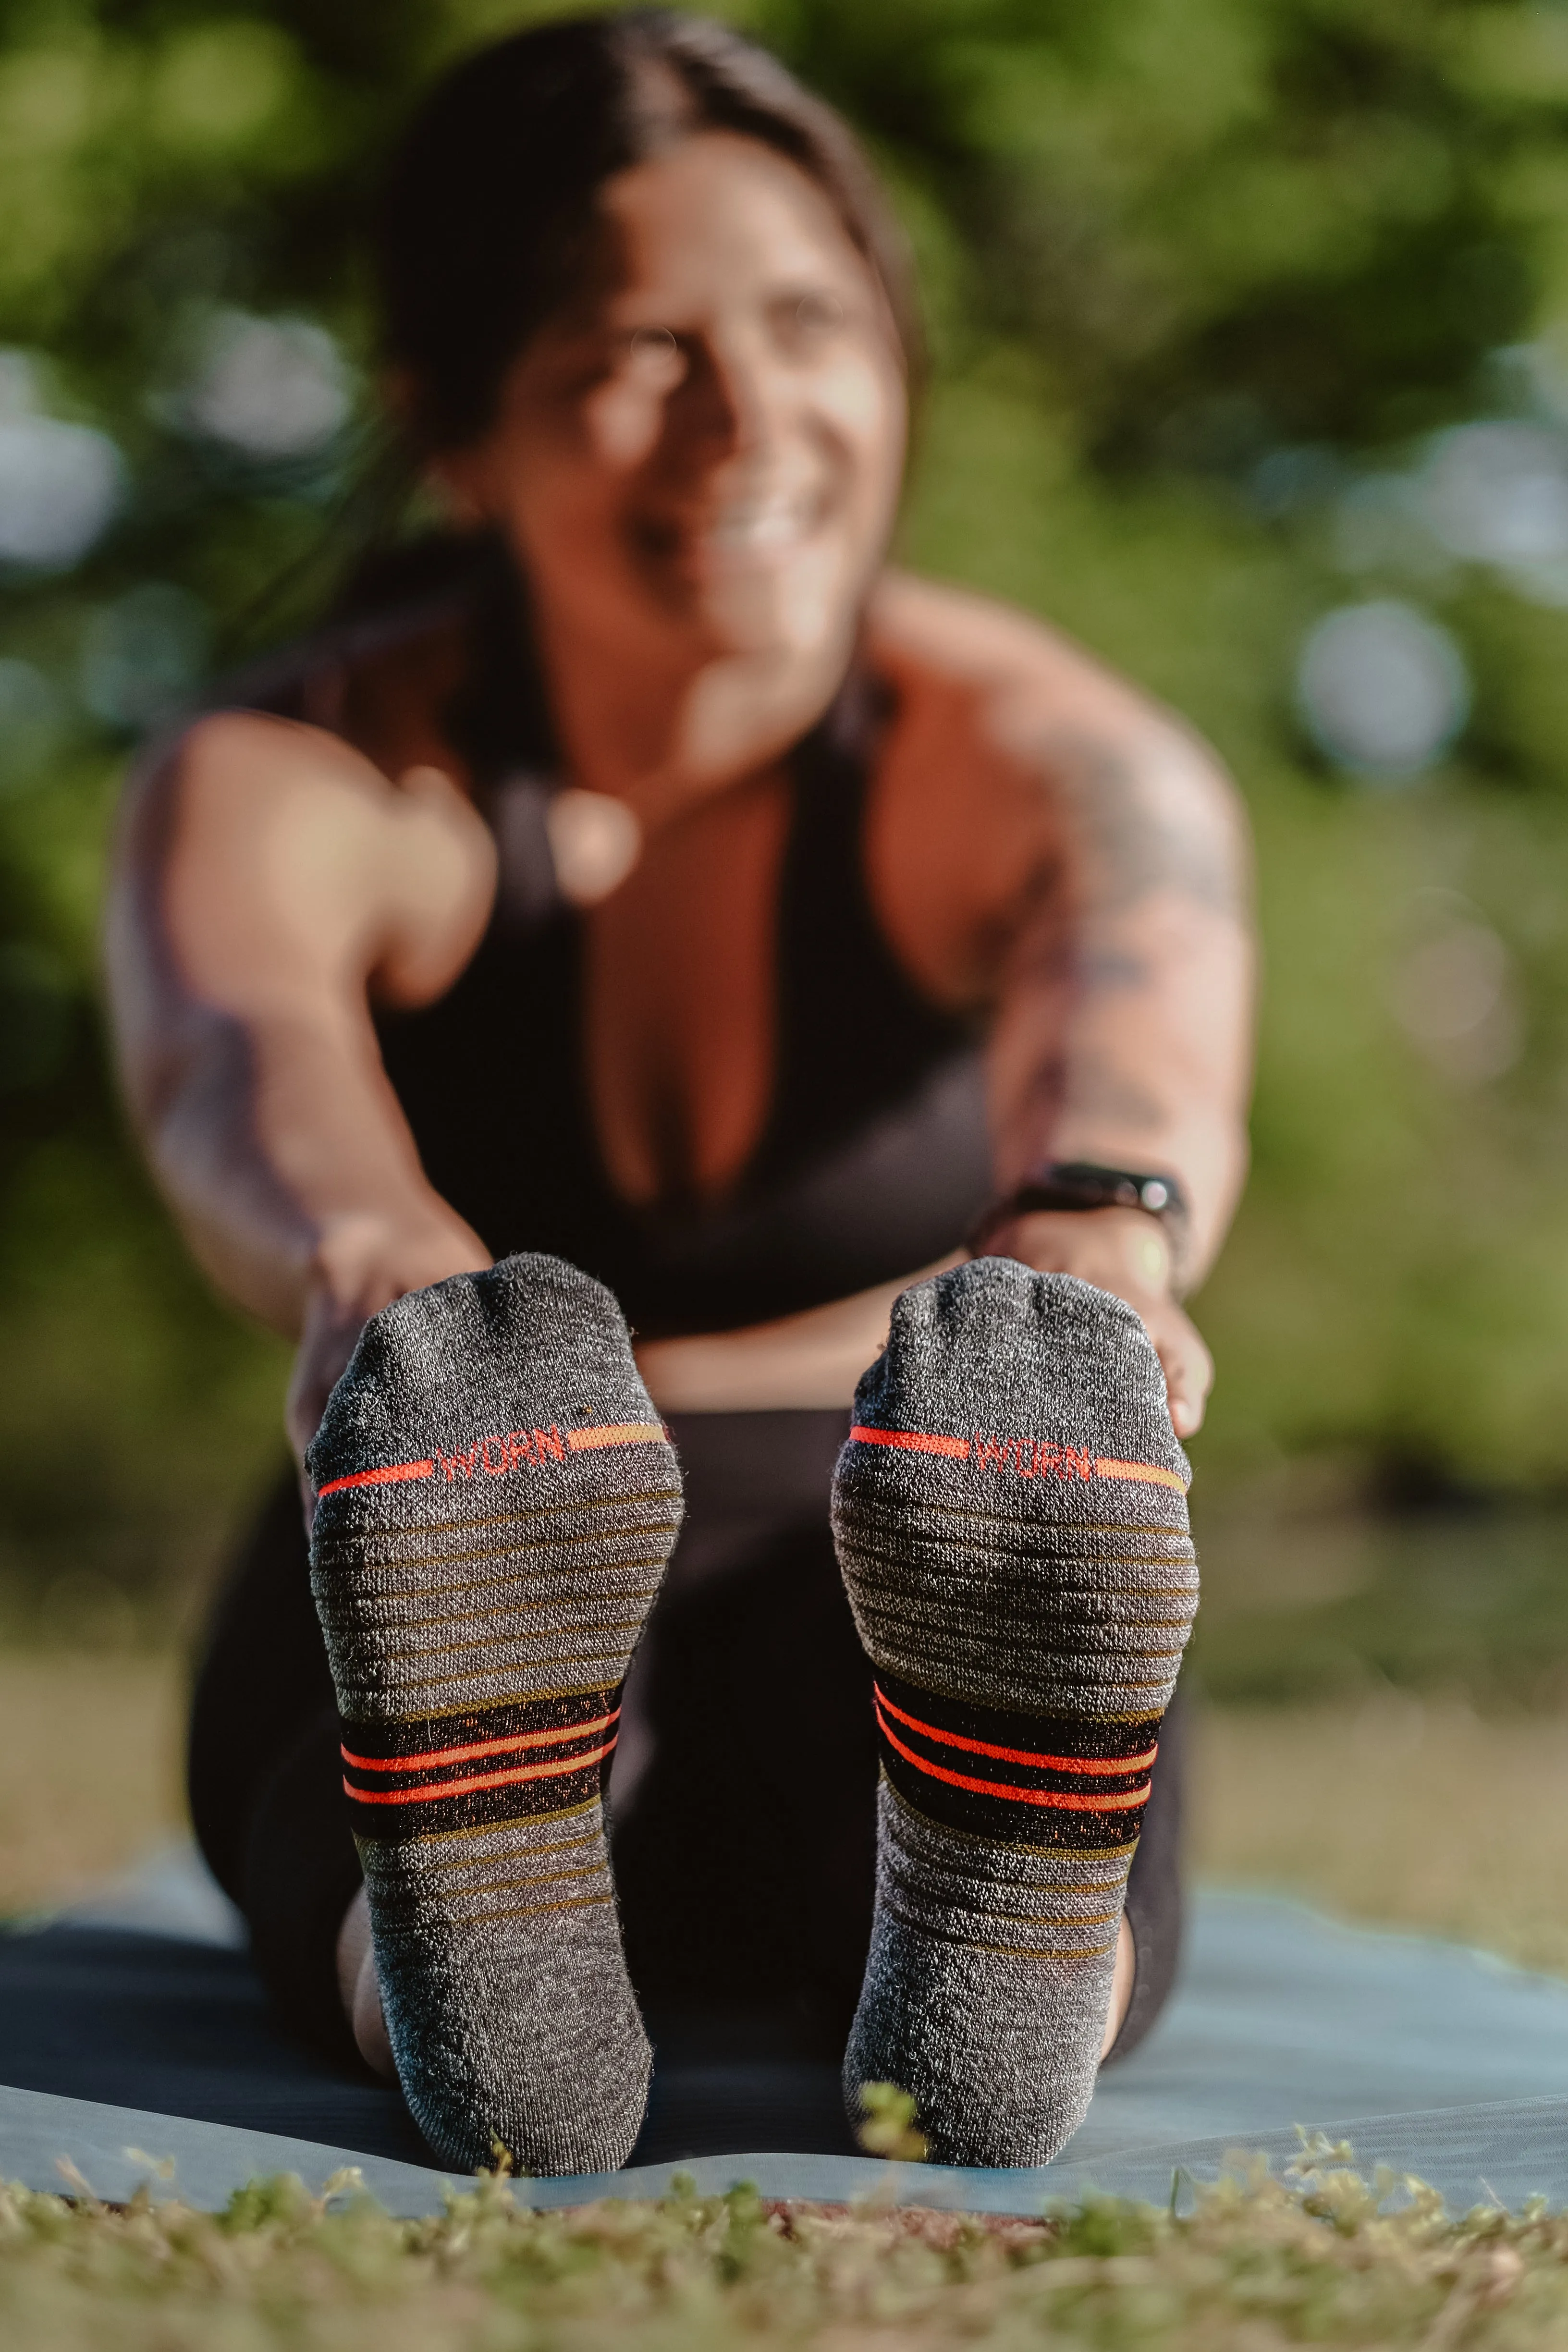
<point>581,1440</point>
<point>617,1432</point>
<point>914,1441</point>
<point>1146,1473</point>
<point>1020,1755</point>
<point>478,1780</point>
<point>392,1475</point>
<point>423,1762</point>
<point>1063,1800</point>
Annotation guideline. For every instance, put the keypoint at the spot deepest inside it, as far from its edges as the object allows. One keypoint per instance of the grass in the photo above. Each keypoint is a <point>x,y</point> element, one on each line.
<point>1308,1595</point>
<point>1259,2263</point>
<point>89,1767</point>
<point>1409,1810</point>
<point>1406,1812</point>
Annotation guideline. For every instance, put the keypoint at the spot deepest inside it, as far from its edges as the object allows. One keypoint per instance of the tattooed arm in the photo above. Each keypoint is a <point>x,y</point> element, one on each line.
<point>1044,844</point>
<point>1124,1031</point>
<point>1060,851</point>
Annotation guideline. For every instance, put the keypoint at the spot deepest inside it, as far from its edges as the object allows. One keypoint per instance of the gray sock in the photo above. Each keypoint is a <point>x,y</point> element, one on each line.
<point>497,1503</point>
<point>1010,1521</point>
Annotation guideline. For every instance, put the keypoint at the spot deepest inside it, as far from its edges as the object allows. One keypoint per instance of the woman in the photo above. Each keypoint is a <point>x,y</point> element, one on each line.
<point>644,874</point>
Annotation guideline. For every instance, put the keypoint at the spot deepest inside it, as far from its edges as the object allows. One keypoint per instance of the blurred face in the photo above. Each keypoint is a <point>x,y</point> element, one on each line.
<point>705,459</point>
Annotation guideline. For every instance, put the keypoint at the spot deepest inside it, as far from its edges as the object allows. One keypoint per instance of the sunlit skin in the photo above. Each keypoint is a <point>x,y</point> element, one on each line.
<point>699,474</point>
<point>697,471</point>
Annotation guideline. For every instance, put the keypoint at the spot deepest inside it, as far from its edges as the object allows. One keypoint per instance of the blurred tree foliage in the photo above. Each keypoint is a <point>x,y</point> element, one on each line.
<point>1226,224</point>
<point>1201,275</point>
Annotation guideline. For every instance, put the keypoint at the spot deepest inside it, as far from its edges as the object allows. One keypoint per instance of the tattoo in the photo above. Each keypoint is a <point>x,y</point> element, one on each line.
<point>1136,845</point>
<point>1099,1092</point>
<point>1099,968</point>
<point>1031,925</point>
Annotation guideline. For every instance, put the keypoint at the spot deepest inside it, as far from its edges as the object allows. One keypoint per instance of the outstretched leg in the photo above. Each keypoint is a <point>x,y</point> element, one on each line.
<point>497,1502</point>
<point>1011,1519</point>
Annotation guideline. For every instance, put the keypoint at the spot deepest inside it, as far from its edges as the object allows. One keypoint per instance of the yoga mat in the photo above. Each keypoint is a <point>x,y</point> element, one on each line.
<point>134,2023</point>
<point>1499,2155</point>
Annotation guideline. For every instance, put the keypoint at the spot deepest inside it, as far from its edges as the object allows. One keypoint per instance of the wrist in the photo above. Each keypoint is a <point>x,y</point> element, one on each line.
<point>1081,1191</point>
<point>1115,1248</point>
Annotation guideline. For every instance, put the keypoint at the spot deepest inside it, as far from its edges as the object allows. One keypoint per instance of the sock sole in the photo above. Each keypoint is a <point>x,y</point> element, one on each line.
<point>497,1501</point>
<point>1010,1521</point>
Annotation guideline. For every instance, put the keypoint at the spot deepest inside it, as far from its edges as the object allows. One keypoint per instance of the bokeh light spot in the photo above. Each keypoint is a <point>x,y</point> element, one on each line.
<point>220,85</point>
<point>1382,690</point>
<point>1455,994</point>
<point>1498,493</point>
<point>268,387</point>
<point>60,484</point>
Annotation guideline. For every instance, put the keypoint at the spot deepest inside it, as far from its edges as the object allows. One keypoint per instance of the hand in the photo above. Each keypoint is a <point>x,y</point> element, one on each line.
<point>361,1266</point>
<point>328,1340</point>
<point>1123,1251</point>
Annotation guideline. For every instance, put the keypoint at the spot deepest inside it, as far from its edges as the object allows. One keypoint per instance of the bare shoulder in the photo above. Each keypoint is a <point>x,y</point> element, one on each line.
<point>1017,767</point>
<point>258,841</point>
<point>336,721</point>
<point>254,763</point>
<point>1022,685</point>
<point>237,782</point>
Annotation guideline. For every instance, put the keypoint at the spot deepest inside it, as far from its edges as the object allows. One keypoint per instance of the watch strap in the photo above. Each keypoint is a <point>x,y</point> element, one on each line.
<point>1080,1185</point>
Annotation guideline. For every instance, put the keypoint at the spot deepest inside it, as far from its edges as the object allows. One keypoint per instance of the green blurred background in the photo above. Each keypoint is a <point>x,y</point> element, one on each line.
<point>1250,322</point>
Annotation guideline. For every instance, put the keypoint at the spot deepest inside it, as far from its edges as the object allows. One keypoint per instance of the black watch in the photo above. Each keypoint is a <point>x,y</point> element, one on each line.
<point>1078,1184</point>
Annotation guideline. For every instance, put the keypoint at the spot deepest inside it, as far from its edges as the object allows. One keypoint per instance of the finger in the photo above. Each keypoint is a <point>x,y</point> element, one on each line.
<point>320,1361</point>
<point>304,1406</point>
<point>1186,1409</point>
<point>1186,1414</point>
<point>1189,1376</point>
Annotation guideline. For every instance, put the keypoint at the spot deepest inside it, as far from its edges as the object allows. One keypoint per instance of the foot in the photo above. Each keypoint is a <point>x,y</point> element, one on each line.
<point>1011,1519</point>
<point>496,1500</point>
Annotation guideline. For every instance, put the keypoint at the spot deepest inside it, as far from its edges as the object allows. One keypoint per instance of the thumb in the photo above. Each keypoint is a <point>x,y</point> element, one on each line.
<point>1189,1377</point>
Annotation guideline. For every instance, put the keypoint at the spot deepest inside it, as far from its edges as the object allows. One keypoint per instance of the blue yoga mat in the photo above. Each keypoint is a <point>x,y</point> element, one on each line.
<point>134,2037</point>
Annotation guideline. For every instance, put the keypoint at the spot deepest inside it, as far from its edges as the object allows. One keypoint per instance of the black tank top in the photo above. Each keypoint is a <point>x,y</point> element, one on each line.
<point>874,1158</point>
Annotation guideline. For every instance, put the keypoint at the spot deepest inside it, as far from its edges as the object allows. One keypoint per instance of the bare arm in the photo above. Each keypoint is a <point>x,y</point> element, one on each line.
<point>797,1364</point>
<point>1060,849</point>
<point>269,879</point>
<point>1125,1033</point>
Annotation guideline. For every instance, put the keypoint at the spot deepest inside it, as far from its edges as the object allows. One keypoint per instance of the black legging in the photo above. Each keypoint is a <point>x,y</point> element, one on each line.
<point>743,1795</point>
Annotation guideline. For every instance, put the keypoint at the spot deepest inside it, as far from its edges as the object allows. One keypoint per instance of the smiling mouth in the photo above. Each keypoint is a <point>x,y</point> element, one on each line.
<point>743,534</point>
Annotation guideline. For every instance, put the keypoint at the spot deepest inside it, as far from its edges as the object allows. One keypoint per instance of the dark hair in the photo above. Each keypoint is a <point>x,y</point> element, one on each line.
<point>490,209</point>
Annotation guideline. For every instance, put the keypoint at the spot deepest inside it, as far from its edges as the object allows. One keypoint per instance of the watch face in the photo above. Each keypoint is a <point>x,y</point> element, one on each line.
<point>1077,1184</point>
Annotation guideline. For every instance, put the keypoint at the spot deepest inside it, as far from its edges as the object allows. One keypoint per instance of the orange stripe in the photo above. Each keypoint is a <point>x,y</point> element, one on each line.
<point>920,1441</point>
<point>1021,1755</point>
<point>393,1477</point>
<point>1067,1803</point>
<point>914,1441</point>
<point>423,1762</point>
<point>477,1781</point>
<point>617,1432</point>
<point>1143,1473</point>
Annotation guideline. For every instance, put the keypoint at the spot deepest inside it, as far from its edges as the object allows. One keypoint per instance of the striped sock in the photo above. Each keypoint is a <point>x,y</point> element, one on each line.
<point>497,1501</point>
<point>1011,1519</point>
